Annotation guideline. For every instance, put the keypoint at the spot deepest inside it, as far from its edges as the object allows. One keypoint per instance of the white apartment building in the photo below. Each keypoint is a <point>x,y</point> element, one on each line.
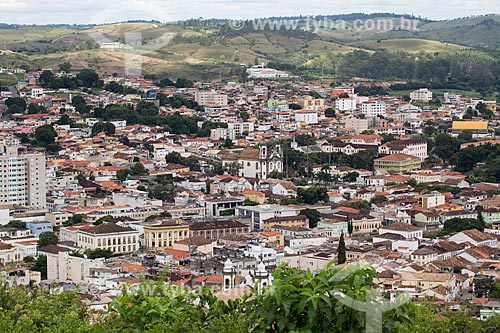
<point>62,267</point>
<point>421,95</point>
<point>345,104</point>
<point>210,97</point>
<point>373,109</point>
<point>306,116</point>
<point>22,177</point>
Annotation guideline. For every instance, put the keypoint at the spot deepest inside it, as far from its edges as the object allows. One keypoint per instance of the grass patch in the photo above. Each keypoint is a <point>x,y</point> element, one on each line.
<point>8,79</point>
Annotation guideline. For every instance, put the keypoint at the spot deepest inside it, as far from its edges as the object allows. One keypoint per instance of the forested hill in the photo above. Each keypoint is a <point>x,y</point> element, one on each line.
<point>459,53</point>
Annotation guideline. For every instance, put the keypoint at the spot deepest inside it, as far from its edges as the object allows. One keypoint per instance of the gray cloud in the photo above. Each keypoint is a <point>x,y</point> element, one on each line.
<point>102,11</point>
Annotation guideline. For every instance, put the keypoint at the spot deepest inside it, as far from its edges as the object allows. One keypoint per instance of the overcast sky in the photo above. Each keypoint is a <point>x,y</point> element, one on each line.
<point>106,11</point>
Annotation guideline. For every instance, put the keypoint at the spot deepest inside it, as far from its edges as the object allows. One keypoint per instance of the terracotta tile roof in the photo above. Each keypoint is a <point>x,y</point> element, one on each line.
<point>55,249</point>
<point>349,210</point>
<point>4,246</point>
<point>177,254</point>
<point>397,158</point>
<point>126,267</point>
<point>271,233</point>
<point>253,192</point>
<point>250,154</point>
<point>477,235</point>
<point>401,226</point>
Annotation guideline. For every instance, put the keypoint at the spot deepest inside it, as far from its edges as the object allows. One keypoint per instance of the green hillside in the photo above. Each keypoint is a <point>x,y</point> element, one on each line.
<point>407,45</point>
<point>211,48</point>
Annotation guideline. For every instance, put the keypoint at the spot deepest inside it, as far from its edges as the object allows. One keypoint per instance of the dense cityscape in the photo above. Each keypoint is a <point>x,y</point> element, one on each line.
<point>263,199</point>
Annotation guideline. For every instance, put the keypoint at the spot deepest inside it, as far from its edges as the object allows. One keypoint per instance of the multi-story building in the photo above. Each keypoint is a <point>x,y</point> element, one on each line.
<point>421,95</point>
<point>432,200</point>
<point>306,117</point>
<point>39,227</point>
<point>451,98</point>
<point>310,103</point>
<point>260,72</point>
<point>222,134</point>
<point>164,234</point>
<point>109,236</point>
<point>337,91</point>
<point>261,213</point>
<point>479,129</point>
<point>63,267</point>
<point>365,224</point>
<point>216,207</point>
<point>413,147</point>
<point>331,228</point>
<point>217,228</point>
<point>241,127</point>
<point>373,109</point>
<point>345,104</point>
<point>287,221</point>
<point>358,125</point>
<point>398,162</point>
<point>22,177</point>
<point>95,213</point>
<point>206,97</point>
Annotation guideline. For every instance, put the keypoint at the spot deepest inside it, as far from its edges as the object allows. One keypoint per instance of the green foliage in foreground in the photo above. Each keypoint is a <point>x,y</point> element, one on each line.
<point>23,310</point>
<point>298,301</point>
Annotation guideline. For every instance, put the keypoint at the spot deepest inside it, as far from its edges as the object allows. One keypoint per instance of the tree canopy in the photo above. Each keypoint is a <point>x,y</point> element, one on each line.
<point>47,238</point>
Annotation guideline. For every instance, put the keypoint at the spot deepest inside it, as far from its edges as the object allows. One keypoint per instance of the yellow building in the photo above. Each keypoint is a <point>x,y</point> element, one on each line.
<point>164,234</point>
<point>479,129</point>
<point>491,105</point>
<point>254,196</point>
<point>469,125</point>
<point>274,238</point>
<point>398,162</point>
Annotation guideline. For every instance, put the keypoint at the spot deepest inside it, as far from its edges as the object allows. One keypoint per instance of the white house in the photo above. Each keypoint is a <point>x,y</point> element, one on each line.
<point>475,237</point>
<point>404,229</point>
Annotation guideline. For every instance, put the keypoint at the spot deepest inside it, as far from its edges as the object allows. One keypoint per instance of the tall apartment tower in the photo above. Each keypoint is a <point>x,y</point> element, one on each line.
<point>22,177</point>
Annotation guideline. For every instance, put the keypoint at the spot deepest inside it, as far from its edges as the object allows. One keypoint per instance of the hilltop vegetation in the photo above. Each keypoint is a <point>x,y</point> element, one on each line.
<point>210,49</point>
<point>407,45</point>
